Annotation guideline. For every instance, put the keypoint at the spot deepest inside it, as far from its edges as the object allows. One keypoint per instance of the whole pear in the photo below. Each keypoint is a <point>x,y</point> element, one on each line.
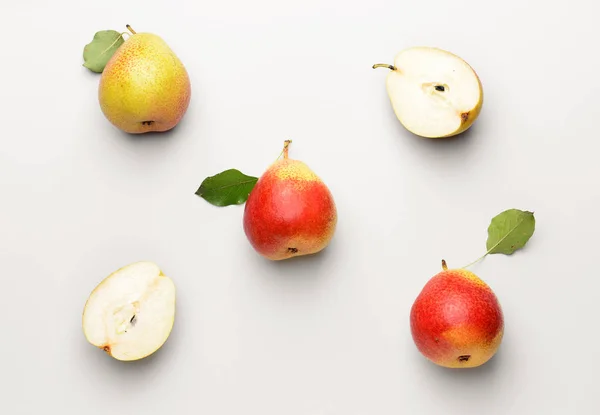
<point>144,86</point>
<point>456,321</point>
<point>290,212</point>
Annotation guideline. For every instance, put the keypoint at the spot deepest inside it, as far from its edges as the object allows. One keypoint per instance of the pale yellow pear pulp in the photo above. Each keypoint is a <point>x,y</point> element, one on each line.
<point>130,314</point>
<point>144,86</point>
<point>434,93</point>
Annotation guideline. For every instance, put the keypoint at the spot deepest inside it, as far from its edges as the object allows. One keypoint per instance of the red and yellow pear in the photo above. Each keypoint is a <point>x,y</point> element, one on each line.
<point>456,320</point>
<point>290,212</point>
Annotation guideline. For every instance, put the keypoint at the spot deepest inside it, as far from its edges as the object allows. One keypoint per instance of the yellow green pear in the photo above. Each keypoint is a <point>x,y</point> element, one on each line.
<point>144,86</point>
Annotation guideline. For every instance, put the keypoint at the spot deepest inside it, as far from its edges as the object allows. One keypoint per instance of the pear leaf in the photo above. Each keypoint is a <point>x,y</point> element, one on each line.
<point>98,52</point>
<point>230,187</point>
<point>510,231</point>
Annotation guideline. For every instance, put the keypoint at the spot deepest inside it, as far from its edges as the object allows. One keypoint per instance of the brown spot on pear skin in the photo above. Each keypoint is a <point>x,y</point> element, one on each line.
<point>464,358</point>
<point>293,250</point>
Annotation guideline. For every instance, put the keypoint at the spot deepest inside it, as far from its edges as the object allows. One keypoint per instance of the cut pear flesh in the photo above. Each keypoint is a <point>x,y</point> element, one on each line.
<point>433,92</point>
<point>130,314</point>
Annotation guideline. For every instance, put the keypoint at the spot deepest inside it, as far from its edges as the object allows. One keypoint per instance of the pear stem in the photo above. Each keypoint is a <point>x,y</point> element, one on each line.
<point>444,265</point>
<point>384,65</point>
<point>130,29</point>
<point>286,144</point>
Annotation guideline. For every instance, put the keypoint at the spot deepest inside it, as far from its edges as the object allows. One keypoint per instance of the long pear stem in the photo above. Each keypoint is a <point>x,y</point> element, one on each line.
<point>384,65</point>
<point>130,29</point>
<point>284,152</point>
<point>286,144</point>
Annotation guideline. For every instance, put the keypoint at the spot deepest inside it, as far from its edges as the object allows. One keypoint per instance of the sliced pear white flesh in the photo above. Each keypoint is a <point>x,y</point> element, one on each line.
<point>433,92</point>
<point>131,313</point>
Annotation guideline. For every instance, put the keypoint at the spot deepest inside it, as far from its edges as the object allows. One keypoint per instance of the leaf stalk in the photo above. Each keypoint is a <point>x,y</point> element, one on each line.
<point>478,259</point>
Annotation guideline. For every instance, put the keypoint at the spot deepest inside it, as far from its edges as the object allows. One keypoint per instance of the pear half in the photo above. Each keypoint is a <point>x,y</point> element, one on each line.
<point>130,314</point>
<point>433,92</point>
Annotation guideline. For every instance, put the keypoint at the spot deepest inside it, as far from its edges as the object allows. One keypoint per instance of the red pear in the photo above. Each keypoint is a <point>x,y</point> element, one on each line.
<point>456,321</point>
<point>290,211</point>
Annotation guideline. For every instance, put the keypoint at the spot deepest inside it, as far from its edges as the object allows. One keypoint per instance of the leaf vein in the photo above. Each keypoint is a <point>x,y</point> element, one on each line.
<point>507,235</point>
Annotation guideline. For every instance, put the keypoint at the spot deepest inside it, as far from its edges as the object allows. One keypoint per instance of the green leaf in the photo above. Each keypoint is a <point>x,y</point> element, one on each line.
<point>230,187</point>
<point>98,52</point>
<point>510,231</point>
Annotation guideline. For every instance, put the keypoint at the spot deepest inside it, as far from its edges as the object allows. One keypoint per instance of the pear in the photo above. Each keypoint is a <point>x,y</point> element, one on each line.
<point>433,92</point>
<point>144,86</point>
<point>456,320</point>
<point>130,313</point>
<point>290,212</point>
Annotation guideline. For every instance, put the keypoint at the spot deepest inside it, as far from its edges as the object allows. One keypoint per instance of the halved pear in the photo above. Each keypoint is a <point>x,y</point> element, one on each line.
<point>433,92</point>
<point>131,313</point>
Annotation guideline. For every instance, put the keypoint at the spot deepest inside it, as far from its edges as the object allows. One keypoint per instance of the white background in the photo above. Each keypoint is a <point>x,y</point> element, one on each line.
<point>327,335</point>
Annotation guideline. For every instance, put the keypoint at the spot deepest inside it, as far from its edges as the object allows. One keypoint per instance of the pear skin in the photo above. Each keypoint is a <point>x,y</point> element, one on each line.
<point>456,321</point>
<point>290,212</point>
<point>144,86</point>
